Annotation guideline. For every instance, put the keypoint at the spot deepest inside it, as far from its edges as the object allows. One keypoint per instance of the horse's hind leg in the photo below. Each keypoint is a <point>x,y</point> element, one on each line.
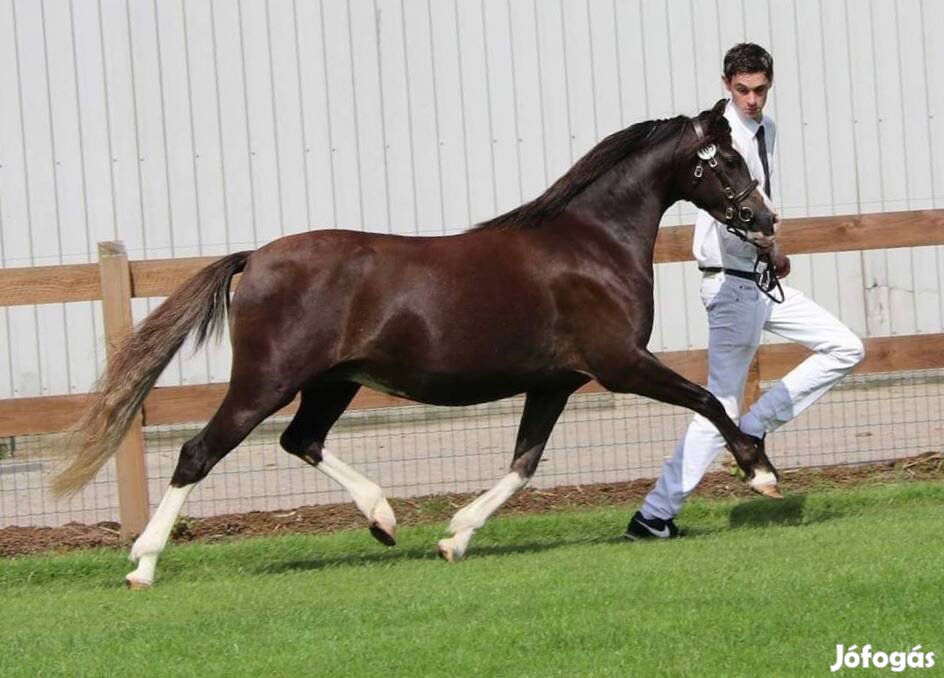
<point>321,405</point>
<point>541,410</point>
<point>241,411</point>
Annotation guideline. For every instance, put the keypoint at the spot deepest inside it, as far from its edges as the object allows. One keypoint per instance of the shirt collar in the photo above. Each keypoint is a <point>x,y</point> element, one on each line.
<point>734,116</point>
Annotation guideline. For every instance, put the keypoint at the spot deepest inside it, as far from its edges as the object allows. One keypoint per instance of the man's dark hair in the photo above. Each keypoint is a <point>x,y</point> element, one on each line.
<point>747,57</point>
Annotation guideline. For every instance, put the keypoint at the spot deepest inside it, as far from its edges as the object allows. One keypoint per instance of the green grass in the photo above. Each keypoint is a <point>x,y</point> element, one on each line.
<point>758,588</point>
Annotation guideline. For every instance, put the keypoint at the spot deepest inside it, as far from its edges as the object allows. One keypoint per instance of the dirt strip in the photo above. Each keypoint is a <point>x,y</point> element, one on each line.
<point>16,541</point>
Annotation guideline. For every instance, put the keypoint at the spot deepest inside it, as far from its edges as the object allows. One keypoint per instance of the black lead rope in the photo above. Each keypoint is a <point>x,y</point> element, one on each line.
<point>765,278</point>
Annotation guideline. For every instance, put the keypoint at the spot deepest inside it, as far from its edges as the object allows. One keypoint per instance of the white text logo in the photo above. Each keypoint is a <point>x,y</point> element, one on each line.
<point>854,658</point>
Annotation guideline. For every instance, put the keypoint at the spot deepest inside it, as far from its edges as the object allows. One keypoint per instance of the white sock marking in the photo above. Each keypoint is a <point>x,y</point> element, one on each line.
<point>762,478</point>
<point>470,518</point>
<point>367,495</point>
<point>149,545</point>
<point>475,514</point>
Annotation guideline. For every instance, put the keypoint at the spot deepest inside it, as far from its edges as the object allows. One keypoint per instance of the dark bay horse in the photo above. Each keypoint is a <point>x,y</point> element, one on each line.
<point>537,301</point>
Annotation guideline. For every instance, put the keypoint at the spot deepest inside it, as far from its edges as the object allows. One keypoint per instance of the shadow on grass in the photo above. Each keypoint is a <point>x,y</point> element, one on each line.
<point>787,512</point>
<point>413,554</point>
<point>752,514</point>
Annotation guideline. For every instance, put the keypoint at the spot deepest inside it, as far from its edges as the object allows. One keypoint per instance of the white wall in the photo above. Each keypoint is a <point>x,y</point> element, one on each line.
<point>191,127</point>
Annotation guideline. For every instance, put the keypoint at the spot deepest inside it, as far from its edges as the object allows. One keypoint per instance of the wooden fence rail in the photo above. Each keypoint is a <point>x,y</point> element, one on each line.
<point>115,281</point>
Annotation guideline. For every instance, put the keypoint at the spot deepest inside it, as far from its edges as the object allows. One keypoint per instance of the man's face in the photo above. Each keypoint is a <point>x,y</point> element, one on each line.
<point>749,93</point>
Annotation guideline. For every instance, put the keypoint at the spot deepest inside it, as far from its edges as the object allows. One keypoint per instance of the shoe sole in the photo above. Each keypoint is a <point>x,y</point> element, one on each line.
<point>628,536</point>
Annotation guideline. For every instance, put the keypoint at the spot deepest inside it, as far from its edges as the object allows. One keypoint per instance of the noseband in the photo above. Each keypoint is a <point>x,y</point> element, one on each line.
<point>765,278</point>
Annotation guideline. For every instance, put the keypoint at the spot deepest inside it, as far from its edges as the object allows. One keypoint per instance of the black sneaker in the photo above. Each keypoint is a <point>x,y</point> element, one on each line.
<point>650,528</point>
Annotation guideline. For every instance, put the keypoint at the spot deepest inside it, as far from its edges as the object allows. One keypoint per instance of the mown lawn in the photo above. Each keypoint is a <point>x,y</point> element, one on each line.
<point>757,588</point>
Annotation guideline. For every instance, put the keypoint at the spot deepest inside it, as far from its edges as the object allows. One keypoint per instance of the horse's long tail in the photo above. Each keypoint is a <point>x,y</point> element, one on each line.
<point>201,304</point>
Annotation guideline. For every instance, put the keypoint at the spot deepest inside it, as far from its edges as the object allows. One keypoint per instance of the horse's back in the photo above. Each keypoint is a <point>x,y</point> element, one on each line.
<point>454,309</point>
<point>463,268</point>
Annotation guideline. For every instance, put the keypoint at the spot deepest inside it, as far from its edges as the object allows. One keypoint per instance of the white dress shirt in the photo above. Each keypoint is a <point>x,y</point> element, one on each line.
<point>712,244</point>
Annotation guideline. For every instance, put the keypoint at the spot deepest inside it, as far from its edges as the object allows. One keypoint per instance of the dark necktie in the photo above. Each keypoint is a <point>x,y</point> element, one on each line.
<point>762,151</point>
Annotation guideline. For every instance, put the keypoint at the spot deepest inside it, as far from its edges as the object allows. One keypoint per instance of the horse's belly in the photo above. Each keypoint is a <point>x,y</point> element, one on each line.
<point>444,389</point>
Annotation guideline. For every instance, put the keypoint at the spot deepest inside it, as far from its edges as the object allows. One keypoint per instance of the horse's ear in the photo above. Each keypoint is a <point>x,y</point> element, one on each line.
<point>718,110</point>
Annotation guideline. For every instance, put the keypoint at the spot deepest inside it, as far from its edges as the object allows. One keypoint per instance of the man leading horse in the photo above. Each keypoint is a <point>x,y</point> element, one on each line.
<point>739,311</point>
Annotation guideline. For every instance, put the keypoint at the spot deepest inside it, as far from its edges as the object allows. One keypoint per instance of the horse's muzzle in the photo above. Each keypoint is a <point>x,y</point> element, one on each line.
<point>765,224</point>
<point>761,241</point>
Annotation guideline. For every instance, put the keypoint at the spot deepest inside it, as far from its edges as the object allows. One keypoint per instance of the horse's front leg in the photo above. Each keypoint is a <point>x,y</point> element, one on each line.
<point>645,375</point>
<point>541,410</point>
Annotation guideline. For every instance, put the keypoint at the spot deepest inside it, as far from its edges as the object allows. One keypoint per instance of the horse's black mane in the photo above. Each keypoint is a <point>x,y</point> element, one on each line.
<point>598,160</point>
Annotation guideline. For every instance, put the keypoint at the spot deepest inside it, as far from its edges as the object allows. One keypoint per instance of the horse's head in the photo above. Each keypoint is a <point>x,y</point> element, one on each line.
<point>713,175</point>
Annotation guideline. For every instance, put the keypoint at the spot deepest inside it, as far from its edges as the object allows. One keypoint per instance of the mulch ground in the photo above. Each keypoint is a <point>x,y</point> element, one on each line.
<point>329,518</point>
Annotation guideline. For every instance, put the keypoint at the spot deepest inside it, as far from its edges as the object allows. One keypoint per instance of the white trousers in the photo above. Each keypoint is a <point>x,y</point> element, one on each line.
<point>737,315</point>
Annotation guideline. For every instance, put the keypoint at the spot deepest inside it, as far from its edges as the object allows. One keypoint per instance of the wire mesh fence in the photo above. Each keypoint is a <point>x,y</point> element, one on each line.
<point>418,450</point>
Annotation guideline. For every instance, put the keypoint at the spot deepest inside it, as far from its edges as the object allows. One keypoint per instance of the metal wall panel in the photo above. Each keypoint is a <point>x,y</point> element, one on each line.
<point>193,127</point>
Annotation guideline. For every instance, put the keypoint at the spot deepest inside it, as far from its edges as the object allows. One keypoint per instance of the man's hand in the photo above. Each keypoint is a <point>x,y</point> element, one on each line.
<point>780,262</point>
<point>770,247</point>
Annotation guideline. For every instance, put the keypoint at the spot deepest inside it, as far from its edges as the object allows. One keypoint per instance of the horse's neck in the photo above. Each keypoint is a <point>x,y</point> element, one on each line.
<point>628,203</point>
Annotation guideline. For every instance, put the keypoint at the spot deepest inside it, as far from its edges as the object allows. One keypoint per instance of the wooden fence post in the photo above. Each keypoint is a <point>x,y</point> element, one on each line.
<point>752,387</point>
<point>115,273</point>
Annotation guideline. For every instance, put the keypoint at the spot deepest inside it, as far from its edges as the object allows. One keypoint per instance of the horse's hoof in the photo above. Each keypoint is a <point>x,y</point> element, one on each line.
<point>136,584</point>
<point>765,483</point>
<point>385,535</point>
<point>770,491</point>
<point>447,551</point>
